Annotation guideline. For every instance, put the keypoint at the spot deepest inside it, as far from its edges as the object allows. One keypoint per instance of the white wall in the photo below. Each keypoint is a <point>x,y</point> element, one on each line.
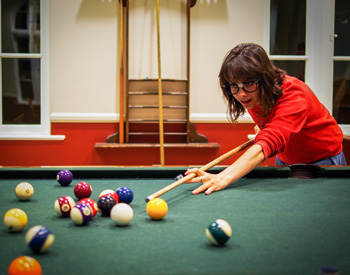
<point>218,26</point>
<point>83,58</point>
<point>84,46</point>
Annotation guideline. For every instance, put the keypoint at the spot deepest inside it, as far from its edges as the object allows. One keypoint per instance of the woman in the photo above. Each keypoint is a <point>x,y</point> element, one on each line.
<point>291,123</point>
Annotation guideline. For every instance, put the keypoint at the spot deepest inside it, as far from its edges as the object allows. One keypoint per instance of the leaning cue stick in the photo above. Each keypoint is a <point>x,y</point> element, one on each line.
<point>160,94</point>
<point>121,78</point>
<point>203,168</point>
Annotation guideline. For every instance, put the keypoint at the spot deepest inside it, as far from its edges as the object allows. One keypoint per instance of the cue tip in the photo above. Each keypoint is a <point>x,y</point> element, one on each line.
<point>149,198</point>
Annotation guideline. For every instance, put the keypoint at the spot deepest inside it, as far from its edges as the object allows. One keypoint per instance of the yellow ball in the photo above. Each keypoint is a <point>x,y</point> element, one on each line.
<point>157,208</point>
<point>15,219</point>
<point>24,191</point>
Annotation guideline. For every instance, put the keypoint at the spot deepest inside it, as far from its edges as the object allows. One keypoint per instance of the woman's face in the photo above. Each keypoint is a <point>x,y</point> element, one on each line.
<point>248,100</point>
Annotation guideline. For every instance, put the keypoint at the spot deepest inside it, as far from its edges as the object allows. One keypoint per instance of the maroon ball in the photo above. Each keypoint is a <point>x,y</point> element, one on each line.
<point>82,190</point>
<point>63,205</point>
<point>105,204</point>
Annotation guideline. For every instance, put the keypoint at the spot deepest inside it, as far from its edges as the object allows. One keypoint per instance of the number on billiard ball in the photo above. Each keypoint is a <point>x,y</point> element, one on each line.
<point>82,190</point>
<point>219,232</point>
<point>64,205</point>
<point>64,177</point>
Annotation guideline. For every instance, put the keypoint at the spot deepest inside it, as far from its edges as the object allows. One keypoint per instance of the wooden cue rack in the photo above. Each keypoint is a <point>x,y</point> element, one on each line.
<point>141,117</point>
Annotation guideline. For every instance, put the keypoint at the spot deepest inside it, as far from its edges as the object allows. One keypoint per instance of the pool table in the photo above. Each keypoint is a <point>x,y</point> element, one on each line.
<point>280,224</point>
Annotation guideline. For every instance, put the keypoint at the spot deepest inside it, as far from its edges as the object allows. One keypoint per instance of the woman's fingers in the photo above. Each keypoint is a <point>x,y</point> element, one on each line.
<point>199,174</point>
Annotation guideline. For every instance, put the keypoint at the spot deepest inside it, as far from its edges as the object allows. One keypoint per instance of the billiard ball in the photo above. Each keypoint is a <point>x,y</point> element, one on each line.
<point>105,204</point>
<point>125,195</point>
<point>122,214</point>
<point>39,239</point>
<point>219,232</point>
<point>109,192</point>
<point>15,219</point>
<point>329,270</point>
<point>92,204</point>
<point>81,214</point>
<point>24,191</point>
<point>64,177</point>
<point>63,205</point>
<point>157,208</point>
<point>82,190</point>
<point>25,265</point>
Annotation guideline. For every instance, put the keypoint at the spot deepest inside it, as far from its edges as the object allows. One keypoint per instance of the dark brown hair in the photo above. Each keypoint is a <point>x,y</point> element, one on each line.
<point>247,62</point>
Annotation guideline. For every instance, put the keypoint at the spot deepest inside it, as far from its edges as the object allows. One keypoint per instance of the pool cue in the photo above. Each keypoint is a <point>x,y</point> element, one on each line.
<point>160,95</point>
<point>121,78</point>
<point>203,168</point>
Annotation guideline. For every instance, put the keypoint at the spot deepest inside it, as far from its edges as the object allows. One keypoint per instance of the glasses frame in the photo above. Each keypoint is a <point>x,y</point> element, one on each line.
<point>240,86</point>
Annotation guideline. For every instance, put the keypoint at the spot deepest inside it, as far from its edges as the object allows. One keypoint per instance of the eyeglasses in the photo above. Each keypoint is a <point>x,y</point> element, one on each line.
<point>247,86</point>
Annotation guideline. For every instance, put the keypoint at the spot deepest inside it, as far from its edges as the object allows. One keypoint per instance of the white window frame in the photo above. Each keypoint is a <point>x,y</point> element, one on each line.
<point>43,130</point>
<point>344,127</point>
<point>318,52</point>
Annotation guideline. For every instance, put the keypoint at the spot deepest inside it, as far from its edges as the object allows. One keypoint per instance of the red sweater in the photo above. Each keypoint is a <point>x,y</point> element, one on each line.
<point>298,128</point>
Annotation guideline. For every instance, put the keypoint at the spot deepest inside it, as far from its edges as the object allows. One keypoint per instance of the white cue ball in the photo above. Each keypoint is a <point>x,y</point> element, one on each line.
<point>122,214</point>
<point>24,191</point>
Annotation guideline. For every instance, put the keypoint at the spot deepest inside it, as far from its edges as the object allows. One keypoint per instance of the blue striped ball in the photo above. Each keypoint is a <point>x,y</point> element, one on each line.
<point>39,239</point>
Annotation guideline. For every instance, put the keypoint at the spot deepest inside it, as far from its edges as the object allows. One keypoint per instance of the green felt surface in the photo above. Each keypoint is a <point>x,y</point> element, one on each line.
<point>280,226</point>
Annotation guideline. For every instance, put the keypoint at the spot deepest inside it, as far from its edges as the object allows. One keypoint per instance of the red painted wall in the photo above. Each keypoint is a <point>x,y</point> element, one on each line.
<point>78,147</point>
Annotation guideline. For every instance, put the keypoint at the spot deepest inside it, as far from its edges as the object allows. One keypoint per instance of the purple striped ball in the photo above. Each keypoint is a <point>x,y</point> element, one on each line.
<point>81,214</point>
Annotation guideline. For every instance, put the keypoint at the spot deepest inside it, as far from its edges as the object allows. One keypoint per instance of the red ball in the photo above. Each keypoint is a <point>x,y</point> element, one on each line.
<point>82,190</point>
<point>109,192</point>
<point>92,204</point>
